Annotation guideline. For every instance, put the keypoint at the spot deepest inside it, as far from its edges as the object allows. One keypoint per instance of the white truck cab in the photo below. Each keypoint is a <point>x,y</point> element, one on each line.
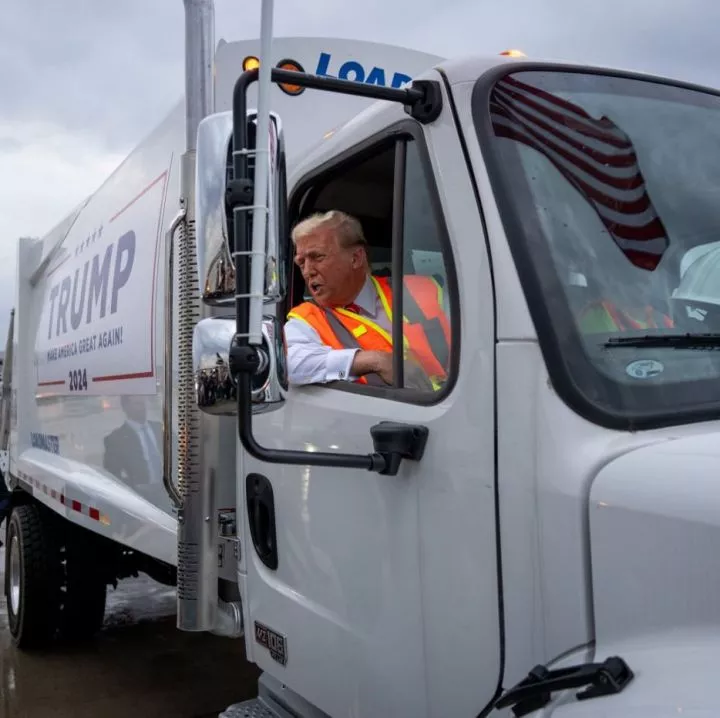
<point>537,534</point>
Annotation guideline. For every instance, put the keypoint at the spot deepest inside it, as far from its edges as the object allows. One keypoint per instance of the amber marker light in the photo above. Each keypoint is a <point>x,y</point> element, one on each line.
<point>288,87</point>
<point>250,63</point>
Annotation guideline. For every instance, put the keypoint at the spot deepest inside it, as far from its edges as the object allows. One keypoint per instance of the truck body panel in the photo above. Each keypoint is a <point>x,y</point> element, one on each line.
<point>663,522</point>
<point>671,678</point>
<point>370,63</point>
<point>93,323</point>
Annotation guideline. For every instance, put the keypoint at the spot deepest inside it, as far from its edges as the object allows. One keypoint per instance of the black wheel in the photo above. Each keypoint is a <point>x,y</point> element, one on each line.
<point>55,585</point>
<point>31,577</point>
<point>84,588</point>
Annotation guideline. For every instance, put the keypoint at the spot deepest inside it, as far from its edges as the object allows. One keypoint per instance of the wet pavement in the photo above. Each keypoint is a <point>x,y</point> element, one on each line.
<point>139,665</point>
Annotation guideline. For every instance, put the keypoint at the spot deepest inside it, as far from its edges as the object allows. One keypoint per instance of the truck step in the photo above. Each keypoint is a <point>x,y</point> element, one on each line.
<point>254,708</point>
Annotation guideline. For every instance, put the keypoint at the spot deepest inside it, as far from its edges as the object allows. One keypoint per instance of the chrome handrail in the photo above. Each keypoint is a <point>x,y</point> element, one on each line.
<point>170,487</point>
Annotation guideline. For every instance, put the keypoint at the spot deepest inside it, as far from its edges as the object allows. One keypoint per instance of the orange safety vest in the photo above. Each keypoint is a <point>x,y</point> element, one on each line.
<point>622,320</point>
<point>364,333</point>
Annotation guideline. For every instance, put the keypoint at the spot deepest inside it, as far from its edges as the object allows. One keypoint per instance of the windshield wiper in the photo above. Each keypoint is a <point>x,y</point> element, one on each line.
<point>677,341</point>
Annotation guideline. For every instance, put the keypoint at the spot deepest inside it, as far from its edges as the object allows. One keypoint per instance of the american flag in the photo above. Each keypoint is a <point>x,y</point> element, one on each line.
<point>594,155</point>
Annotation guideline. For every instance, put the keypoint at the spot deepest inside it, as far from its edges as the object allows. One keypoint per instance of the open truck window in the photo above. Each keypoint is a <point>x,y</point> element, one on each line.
<point>388,188</point>
<point>608,186</point>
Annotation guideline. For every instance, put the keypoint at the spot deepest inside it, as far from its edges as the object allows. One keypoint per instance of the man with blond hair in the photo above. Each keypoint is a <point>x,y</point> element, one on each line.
<point>343,332</point>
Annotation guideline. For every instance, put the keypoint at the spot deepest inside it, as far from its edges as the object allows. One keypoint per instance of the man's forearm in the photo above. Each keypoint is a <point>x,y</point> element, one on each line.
<point>311,362</point>
<point>318,365</point>
<point>365,362</point>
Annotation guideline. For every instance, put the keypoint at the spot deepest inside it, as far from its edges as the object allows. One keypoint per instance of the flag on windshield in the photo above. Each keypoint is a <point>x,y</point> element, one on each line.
<point>594,155</point>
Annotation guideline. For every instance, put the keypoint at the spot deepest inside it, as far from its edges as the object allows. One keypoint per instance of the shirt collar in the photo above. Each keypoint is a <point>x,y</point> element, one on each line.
<point>367,298</point>
<point>136,425</point>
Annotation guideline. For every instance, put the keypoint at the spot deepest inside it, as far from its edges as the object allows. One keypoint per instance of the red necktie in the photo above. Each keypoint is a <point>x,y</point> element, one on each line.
<point>352,307</point>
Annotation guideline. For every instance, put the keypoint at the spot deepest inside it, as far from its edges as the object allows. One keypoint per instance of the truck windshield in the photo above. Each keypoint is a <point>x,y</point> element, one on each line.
<point>608,187</point>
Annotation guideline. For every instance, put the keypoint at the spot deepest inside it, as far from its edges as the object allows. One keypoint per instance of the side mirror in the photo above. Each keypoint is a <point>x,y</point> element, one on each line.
<point>216,386</point>
<point>216,271</point>
<point>276,248</point>
<point>215,221</point>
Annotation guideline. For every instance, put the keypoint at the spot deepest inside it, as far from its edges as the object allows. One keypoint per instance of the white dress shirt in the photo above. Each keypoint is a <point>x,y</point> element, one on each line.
<point>312,362</point>
<point>151,451</point>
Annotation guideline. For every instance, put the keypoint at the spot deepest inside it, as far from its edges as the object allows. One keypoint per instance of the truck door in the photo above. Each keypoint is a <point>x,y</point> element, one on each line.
<point>370,594</point>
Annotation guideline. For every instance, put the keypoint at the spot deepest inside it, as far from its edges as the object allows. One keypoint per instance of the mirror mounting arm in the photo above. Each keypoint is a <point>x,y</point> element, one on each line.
<point>392,441</point>
<point>239,193</point>
<point>426,102</point>
<point>245,357</point>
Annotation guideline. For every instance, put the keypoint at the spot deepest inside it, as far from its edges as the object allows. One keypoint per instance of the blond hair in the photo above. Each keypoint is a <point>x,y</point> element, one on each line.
<point>346,228</point>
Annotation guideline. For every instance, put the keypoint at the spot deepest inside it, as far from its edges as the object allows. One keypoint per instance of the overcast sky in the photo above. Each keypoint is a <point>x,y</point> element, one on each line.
<point>82,81</point>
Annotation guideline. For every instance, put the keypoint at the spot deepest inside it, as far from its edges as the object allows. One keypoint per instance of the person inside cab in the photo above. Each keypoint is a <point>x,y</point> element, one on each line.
<point>342,332</point>
<point>631,299</point>
<point>605,315</point>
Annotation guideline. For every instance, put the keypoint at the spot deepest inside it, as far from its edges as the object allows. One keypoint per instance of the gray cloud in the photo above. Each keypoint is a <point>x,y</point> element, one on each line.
<point>9,144</point>
<point>83,81</point>
<point>113,69</point>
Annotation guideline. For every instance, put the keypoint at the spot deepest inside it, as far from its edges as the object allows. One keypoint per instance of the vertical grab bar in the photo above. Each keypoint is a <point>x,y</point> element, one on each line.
<point>167,399</point>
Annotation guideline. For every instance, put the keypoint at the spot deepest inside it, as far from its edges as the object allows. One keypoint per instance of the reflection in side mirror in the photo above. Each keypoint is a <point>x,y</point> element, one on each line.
<point>270,383</point>
<point>277,231</point>
<point>214,219</point>
<point>215,385</point>
<point>216,270</point>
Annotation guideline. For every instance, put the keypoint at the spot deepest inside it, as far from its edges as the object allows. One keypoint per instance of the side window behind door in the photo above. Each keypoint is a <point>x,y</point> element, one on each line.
<point>426,305</point>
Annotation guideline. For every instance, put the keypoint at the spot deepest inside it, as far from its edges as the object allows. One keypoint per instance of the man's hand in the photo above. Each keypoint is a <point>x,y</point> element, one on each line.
<point>373,362</point>
<point>414,376</point>
<point>380,363</point>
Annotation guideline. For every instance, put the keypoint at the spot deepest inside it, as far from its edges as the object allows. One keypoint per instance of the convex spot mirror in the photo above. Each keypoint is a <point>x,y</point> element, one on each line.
<point>216,388</point>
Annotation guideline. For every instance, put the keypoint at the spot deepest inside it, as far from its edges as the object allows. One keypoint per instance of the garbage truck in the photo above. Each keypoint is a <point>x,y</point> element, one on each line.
<point>534,532</point>
<point>103,435</point>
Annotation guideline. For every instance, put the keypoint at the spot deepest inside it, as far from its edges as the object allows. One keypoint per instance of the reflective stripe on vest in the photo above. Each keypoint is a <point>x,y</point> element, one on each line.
<point>424,304</point>
<point>617,315</point>
<point>427,333</point>
<point>349,341</point>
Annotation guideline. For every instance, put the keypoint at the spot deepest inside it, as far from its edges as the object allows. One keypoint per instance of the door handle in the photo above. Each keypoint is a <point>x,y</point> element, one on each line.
<point>261,516</point>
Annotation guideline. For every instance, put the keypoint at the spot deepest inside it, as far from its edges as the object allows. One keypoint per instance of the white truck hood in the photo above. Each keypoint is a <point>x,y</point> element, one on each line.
<point>675,675</point>
<point>655,551</point>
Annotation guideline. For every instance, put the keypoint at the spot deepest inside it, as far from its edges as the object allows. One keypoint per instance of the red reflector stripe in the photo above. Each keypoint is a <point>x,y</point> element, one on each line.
<point>74,504</point>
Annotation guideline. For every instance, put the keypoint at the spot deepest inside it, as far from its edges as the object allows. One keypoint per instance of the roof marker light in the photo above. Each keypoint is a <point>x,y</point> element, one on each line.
<point>250,63</point>
<point>287,87</point>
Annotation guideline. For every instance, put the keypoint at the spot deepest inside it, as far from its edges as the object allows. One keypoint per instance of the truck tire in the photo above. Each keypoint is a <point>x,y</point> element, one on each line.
<point>84,587</point>
<point>55,582</point>
<point>32,584</point>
